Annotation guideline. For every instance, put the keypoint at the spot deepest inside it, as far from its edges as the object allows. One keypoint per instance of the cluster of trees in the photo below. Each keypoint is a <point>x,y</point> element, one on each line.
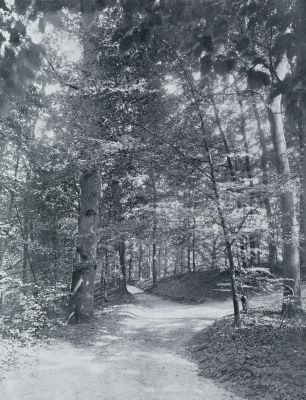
<point>171,139</point>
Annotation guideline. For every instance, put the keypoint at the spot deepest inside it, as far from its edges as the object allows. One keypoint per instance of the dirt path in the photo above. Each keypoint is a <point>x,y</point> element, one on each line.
<point>136,355</point>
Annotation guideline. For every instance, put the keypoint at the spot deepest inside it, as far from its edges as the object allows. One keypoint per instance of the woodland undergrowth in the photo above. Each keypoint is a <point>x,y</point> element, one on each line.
<point>263,359</point>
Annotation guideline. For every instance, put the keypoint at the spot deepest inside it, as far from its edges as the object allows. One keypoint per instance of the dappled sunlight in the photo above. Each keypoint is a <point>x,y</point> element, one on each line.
<point>135,355</point>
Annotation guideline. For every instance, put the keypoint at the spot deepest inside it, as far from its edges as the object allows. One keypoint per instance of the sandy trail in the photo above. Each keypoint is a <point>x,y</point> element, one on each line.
<point>137,354</point>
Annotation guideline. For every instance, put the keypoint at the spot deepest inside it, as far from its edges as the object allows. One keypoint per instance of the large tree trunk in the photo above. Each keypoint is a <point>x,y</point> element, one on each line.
<point>253,238</point>
<point>4,241</point>
<point>84,275</point>
<point>117,212</point>
<point>290,229</point>
<point>272,251</point>
<point>301,75</point>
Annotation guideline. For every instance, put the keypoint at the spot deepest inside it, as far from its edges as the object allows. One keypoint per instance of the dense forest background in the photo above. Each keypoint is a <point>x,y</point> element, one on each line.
<point>144,139</point>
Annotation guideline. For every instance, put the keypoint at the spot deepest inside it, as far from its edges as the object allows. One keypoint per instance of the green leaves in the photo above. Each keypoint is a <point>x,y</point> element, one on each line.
<point>220,65</point>
<point>7,63</point>
<point>206,42</point>
<point>220,28</point>
<point>17,33</point>
<point>21,6</point>
<point>126,42</point>
<point>123,28</point>
<point>257,79</point>
<point>2,39</point>
<point>284,44</point>
<point>3,5</point>
<point>206,64</point>
<point>242,43</point>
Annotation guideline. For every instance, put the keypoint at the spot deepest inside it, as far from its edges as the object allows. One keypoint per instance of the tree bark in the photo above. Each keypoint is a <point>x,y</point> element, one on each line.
<point>154,269</point>
<point>300,35</point>
<point>194,266</point>
<point>122,281</point>
<point>4,241</point>
<point>140,261</point>
<point>84,274</point>
<point>227,239</point>
<point>272,251</point>
<point>253,239</point>
<point>290,230</point>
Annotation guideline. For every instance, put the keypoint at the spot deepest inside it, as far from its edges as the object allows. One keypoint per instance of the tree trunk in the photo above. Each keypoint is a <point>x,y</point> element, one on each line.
<point>122,281</point>
<point>165,269</point>
<point>54,242</point>
<point>224,140</point>
<point>188,258</point>
<point>290,231</point>
<point>154,269</point>
<point>228,244</point>
<point>159,260</point>
<point>84,275</point>
<point>194,266</point>
<point>130,269</point>
<point>26,236</point>
<point>214,254</point>
<point>105,274</point>
<point>140,261</point>
<point>300,35</point>
<point>227,239</point>
<point>253,239</point>
<point>4,241</point>
<point>264,166</point>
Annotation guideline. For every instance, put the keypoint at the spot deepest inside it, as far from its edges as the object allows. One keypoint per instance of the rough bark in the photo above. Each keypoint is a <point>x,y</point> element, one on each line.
<point>290,228</point>
<point>154,269</point>
<point>253,238</point>
<point>84,274</point>
<point>272,251</point>
<point>122,280</point>
<point>300,31</point>
<point>194,263</point>
<point>118,217</point>
<point>140,261</point>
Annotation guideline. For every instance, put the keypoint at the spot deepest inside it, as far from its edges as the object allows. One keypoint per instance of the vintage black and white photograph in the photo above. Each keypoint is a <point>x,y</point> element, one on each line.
<point>152,199</point>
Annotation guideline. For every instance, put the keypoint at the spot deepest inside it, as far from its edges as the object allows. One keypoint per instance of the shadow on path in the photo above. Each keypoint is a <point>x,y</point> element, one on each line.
<point>135,352</point>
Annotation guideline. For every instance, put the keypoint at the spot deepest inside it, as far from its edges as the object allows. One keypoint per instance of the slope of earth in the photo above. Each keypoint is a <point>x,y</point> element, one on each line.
<point>193,287</point>
<point>197,287</point>
<point>131,352</point>
<point>263,360</point>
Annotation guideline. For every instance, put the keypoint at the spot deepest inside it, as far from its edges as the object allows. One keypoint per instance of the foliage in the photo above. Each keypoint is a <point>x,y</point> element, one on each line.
<point>169,100</point>
<point>258,360</point>
<point>29,313</point>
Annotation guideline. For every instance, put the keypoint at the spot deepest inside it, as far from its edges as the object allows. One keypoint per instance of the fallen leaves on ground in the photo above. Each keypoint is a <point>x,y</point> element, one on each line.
<point>260,360</point>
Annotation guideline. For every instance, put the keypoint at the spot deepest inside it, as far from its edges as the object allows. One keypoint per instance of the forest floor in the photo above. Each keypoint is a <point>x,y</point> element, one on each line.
<point>129,352</point>
<point>265,359</point>
<point>200,286</point>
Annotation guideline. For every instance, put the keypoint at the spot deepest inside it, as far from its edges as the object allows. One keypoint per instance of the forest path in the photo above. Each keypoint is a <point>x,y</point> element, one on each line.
<point>137,353</point>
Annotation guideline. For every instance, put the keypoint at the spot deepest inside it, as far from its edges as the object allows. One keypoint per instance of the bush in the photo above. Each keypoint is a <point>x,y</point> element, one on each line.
<point>28,311</point>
